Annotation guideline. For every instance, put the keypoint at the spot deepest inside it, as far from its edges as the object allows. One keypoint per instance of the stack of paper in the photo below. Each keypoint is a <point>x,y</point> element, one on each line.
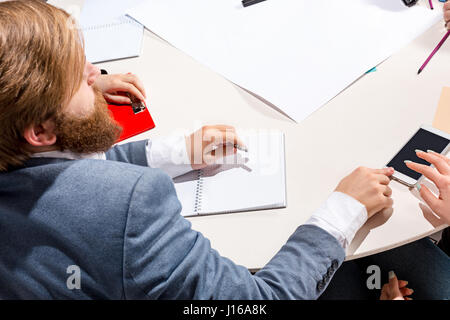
<point>296,54</point>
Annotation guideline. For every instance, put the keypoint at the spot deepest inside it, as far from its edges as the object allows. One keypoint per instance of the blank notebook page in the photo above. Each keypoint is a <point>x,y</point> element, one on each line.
<point>245,182</point>
<point>108,33</point>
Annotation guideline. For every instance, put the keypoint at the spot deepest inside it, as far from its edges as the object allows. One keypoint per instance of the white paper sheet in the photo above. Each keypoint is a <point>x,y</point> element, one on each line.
<point>296,54</point>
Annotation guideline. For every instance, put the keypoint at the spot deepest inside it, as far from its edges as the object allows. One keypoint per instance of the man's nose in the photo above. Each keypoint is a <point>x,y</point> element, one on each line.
<point>93,73</point>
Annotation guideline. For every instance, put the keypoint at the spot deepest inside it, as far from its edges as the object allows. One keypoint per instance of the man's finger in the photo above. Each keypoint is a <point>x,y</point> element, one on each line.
<point>130,88</point>
<point>387,191</point>
<point>385,171</point>
<point>220,138</point>
<point>440,164</point>
<point>136,82</point>
<point>232,138</point>
<point>383,179</point>
<point>116,98</point>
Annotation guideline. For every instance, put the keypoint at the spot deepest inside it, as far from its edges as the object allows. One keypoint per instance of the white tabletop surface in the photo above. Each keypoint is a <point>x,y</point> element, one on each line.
<point>365,125</point>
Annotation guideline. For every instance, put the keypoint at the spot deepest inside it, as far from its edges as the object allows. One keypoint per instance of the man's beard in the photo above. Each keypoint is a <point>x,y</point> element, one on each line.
<point>96,133</point>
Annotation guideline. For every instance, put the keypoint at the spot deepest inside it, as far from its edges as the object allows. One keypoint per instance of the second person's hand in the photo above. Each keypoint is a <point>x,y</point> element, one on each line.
<point>370,187</point>
<point>440,176</point>
<point>395,289</point>
<point>447,15</point>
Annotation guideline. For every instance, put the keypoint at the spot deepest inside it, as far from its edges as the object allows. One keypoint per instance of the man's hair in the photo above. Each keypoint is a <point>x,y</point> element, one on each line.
<point>41,67</point>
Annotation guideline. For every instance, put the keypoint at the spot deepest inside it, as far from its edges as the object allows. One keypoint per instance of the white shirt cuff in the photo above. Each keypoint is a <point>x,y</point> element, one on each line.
<point>169,154</point>
<point>341,216</point>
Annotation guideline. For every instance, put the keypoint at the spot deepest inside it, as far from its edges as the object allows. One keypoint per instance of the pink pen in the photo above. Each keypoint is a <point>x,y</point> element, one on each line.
<point>431,4</point>
<point>434,51</point>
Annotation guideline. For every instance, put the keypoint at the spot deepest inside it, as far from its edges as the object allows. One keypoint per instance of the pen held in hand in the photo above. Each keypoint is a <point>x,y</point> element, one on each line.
<point>237,146</point>
<point>434,52</point>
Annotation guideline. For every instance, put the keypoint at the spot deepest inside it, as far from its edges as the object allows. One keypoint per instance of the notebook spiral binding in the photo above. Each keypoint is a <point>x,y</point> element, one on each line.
<point>198,192</point>
<point>121,21</point>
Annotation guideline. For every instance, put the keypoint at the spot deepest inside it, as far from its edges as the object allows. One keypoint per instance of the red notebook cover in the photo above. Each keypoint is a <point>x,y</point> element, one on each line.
<point>131,122</point>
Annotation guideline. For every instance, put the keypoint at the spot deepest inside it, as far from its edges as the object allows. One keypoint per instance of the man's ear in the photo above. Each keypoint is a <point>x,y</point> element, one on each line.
<point>41,135</point>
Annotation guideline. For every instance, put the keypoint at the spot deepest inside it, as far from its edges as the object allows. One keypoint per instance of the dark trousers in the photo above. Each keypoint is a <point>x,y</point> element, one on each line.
<point>425,266</point>
<point>444,244</point>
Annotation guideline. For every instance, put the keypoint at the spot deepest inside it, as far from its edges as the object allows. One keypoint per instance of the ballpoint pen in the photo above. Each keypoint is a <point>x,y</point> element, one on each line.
<point>434,52</point>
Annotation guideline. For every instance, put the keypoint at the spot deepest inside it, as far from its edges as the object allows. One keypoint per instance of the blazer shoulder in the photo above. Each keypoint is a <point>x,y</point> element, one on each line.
<point>109,177</point>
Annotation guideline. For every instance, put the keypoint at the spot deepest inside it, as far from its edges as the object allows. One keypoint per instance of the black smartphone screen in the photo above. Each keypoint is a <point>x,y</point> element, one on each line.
<point>423,140</point>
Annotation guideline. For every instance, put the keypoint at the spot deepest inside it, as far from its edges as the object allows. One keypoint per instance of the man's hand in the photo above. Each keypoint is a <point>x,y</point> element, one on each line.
<point>447,15</point>
<point>211,143</point>
<point>370,187</point>
<point>114,87</point>
<point>440,176</point>
<point>395,289</point>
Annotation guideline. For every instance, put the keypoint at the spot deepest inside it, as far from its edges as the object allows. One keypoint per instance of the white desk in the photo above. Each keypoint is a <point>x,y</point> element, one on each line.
<point>363,126</point>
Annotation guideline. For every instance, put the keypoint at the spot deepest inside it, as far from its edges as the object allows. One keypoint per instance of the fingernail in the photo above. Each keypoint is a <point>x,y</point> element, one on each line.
<point>418,187</point>
<point>391,275</point>
<point>418,150</point>
<point>431,151</point>
<point>408,161</point>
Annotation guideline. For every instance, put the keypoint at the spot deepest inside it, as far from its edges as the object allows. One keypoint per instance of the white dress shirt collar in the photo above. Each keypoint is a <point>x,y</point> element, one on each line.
<point>69,155</point>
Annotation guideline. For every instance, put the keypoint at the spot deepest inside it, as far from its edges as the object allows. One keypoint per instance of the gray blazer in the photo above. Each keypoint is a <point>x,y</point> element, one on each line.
<point>96,229</point>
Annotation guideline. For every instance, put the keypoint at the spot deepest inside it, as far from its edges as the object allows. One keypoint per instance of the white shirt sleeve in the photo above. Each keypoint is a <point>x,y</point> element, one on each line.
<point>169,154</point>
<point>341,216</point>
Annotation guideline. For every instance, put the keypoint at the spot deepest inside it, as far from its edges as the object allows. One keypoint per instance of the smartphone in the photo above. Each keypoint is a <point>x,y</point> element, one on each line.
<point>426,138</point>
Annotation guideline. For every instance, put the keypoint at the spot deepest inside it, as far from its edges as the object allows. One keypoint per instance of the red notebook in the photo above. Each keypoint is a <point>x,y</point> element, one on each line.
<point>134,119</point>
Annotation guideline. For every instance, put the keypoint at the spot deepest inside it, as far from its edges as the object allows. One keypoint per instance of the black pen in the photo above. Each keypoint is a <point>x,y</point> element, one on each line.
<point>247,3</point>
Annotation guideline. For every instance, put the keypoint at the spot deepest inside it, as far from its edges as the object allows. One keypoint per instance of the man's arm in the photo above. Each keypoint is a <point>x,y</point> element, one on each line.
<point>133,152</point>
<point>168,154</point>
<point>171,154</point>
<point>165,259</point>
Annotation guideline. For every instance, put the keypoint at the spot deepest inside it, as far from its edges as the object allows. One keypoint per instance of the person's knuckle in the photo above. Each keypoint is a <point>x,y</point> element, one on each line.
<point>373,184</point>
<point>359,170</point>
<point>116,81</point>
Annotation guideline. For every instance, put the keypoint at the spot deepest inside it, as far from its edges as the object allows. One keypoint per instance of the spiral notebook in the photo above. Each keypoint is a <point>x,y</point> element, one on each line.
<point>108,33</point>
<point>246,182</point>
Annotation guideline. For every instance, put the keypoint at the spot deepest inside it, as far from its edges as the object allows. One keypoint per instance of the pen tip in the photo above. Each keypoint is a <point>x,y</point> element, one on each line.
<point>418,72</point>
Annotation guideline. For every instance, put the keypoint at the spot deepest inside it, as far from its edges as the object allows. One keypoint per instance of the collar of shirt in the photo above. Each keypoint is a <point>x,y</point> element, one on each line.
<point>70,155</point>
